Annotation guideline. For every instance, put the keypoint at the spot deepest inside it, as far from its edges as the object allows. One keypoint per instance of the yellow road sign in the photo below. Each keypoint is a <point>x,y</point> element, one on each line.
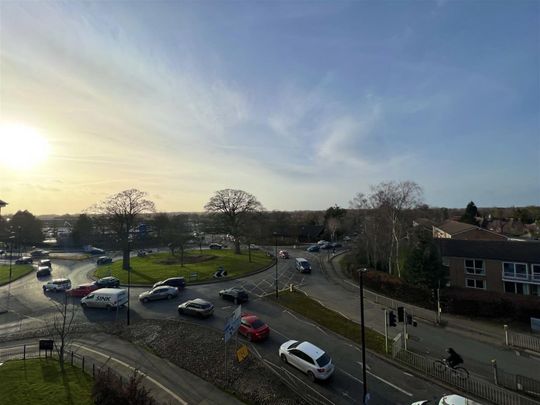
<point>242,353</point>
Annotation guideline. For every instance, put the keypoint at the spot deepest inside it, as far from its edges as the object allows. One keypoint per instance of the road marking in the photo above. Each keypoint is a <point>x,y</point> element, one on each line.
<point>409,374</point>
<point>517,353</point>
<point>367,365</point>
<point>279,333</point>
<point>168,391</point>
<point>322,330</point>
<point>390,384</point>
<point>256,352</point>
<point>352,376</point>
<point>348,282</point>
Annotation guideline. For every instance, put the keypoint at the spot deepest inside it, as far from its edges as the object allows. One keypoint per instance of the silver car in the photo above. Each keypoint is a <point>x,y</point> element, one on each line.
<point>159,293</point>
<point>197,307</point>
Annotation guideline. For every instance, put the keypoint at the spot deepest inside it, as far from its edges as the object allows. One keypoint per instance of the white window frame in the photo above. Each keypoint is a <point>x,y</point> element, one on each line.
<point>474,269</point>
<point>475,280</point>
<point>515,276</point>
<point>535,272</point>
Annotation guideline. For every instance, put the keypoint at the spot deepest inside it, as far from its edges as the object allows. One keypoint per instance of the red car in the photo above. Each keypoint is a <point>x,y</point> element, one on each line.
<point>82,290</point>
<point>253,328</point>
<point>283,254</point>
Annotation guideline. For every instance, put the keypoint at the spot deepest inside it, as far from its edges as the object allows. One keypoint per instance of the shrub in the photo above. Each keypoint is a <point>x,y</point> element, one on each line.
<point>110,389</point>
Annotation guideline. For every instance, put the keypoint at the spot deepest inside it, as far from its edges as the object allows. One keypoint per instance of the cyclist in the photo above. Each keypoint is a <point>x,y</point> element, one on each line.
<point>453,359</point>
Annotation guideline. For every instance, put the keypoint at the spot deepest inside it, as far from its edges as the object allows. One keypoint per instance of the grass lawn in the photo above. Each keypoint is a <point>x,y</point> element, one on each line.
<point>17,271</point>
<point>302,304</point>
<point>40,382</point>
<point>159,266</point>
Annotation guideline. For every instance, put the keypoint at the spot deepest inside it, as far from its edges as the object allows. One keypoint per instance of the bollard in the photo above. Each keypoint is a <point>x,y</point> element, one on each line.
<point>24,352</point>
<point>495,375</point>
<point>291,287</point>
<point>72,357</point>
<point>82,363</point>
<point>93,370</point>
<point>506,334</point>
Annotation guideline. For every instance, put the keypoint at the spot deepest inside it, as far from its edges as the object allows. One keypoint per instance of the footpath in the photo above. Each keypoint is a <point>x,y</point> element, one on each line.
<point>168,383</point>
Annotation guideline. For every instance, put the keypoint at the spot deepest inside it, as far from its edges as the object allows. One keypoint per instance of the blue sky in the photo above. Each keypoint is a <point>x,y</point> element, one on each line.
<point>302,104</point>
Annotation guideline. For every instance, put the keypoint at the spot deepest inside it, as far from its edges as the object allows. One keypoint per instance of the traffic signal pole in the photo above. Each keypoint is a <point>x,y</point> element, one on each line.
<point>386,331</point>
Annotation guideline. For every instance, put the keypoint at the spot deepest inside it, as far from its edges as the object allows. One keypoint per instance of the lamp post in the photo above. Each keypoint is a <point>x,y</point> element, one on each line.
<point>275,239</point>
<point>361,279</point>
<point>10,259</point>
<point>129,280</point>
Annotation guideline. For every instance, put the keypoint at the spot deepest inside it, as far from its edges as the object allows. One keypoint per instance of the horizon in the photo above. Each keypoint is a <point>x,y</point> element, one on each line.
<point>302,105</point>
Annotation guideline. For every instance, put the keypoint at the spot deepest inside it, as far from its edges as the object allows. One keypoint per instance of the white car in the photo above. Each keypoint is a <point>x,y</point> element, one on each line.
<point>450,400</point>
<point>58,284</point>
<point>308,358</point>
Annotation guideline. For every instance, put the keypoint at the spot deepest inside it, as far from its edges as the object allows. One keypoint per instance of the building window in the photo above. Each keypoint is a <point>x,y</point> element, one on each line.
<point>535,272</point>
<point>474,267</point>
<point>534,289</point>
<point>474,283</point>
<point>515,270</point>
<point>521,288</point>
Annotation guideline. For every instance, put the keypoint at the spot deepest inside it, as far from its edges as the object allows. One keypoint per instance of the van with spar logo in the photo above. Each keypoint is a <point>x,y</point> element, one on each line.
<point>110,298</point>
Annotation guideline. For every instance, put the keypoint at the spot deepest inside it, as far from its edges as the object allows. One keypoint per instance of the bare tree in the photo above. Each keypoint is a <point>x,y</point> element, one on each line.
<point>122,210</point>
<point>62,326</point>
<point>233,206</point>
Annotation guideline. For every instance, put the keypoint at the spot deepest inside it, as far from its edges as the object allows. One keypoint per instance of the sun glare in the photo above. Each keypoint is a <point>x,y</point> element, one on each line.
<point>21,147</point>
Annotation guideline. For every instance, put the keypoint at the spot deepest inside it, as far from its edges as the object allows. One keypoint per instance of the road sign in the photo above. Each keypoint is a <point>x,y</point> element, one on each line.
<point>242,353</point>
<point>233,323</point>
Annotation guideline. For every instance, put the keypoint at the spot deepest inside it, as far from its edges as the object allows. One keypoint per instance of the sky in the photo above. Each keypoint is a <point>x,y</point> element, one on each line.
<point>300,103</point>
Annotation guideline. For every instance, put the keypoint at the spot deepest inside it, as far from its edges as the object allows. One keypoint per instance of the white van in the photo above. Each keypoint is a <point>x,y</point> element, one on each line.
<point>302,265</point>
<point>105,298</point>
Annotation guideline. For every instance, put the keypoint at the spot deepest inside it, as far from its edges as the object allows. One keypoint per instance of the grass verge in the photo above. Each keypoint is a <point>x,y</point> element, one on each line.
<point>302,304</point>
<point>17,271</point>
<point>40,382</point>
<point>159,266</point>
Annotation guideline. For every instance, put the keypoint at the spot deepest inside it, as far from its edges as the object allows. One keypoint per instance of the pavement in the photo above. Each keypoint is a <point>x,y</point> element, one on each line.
<point>168,383</point>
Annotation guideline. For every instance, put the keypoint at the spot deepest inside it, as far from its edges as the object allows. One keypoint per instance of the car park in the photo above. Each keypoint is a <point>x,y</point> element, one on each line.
<point>108,282</point>
<point>235,294</point>
<point>45,262</point>
<point>302,265</point>
<point>109,298</point>
<point>253,328</point>
<point>308,358</point>
<point>313,248</point>
<point>104,260</point>
<point>58,284</point>
<point>197,307</point>
<point>215,246</point>
<point>24,260</point>
<point>178,282</point>
<point>43,271</point>
<point>82,290</point>
<point>283,254</point>
<point>159,293</point>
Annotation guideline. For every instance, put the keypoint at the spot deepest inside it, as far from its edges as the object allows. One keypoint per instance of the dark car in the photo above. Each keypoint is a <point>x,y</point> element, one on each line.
<point>178,282</point>
<point>237,295</point>
<point>326,246</point>
<point>43,271</point>
<point>108,282</point>
<point>160,293</point>
<point>313,248</point>
<point>215,246</point>
<point>24,260</point>
<point>104,260</point>
<point>336,245</point>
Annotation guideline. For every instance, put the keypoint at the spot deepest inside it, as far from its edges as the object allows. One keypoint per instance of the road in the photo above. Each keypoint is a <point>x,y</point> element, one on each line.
<point>31,308</point>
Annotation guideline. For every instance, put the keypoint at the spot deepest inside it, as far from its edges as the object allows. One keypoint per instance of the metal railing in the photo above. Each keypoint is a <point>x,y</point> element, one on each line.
<point>521,340</point>
<point>520,383</point>
<point>473,385</point>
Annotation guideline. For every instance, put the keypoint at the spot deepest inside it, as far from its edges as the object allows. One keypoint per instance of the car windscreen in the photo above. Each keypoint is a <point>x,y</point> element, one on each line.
<point>206,306</point>
<point>305,265</point>
<point>257,323</point>
<point>293,345</point>
<point>323,360</point>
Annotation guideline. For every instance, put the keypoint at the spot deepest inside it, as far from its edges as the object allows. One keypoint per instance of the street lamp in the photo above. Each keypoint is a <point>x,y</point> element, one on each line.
<point>129,279</point>
<point>276,255</point>
<point>361,279</point>
<point>10,259</point>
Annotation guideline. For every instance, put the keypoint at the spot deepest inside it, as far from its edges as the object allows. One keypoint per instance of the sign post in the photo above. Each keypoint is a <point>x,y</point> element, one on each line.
<point>231,326</point>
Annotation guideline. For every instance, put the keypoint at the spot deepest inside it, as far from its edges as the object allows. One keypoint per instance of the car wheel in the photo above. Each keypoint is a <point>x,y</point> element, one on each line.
<point>44,289</point>
<point>145,300</point>
<point>180,311</point>
<point>84,305</point>
<point>169,296</point>
<point>311,376</point>
<point>284,359</point>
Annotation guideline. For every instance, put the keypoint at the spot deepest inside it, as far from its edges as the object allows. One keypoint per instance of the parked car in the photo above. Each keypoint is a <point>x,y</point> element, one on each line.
<point>254,247</point>
<point>235,294</point>
<point>108,282</point>
<point>302,265</point>
<point>58,284</point>
<point>283,254</point>
<point>326,246</point>
<point>178,282</point>
<point>104,260</point>
<point>109,298</point>
<point>449,400</point>
<point>39,253</point>
<point>322,242</point>
<point>43,271</point>
<point>308,358</point>
<point>2,251</point>
<point>313,248</point>
<point>45,262</point>
<point>336,245</point>
<point>215,246</point>
<point>253,328</point>
<point>141,253</point>
<point>82,290</point>
<point>197,307</point>
<point>160,293</point>
<point>24,260</point>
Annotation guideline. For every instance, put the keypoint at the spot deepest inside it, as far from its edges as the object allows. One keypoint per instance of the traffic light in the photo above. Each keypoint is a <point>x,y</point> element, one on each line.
<point>411,321</point>
<point>392,319</point>
<point>401,314</point>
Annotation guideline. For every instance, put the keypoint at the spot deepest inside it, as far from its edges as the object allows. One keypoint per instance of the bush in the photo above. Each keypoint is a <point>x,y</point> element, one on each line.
<point>109,389</point>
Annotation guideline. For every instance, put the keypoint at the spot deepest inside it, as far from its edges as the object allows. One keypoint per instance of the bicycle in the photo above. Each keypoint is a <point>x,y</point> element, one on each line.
<point>442,366</point>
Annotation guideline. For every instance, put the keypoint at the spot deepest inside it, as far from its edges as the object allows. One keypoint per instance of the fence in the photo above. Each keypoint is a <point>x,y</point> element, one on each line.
<point>472,385</point>
<point>523,341</point>
<point>517,382</point>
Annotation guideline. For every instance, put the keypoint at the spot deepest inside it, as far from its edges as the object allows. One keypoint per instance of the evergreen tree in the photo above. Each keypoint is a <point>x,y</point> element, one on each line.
<point>471,212</point>
<point>423,265</point>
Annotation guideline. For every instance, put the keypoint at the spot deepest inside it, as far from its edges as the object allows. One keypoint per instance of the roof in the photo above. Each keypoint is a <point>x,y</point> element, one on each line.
<point>454,227</point>
<point>310,349</point>
<point>518,251</point>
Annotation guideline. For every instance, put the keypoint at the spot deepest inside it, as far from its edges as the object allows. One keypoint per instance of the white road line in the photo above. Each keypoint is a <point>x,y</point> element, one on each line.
<point>343,315</point>
<point>351,283</point>
<point>322,330</point>
<point>408,374</point>
<point>390,384</point>
<point>352,376</point>
<point>256,352</point>
<point>279,333</point>
<point>367,365</point>
<point>172,394</point>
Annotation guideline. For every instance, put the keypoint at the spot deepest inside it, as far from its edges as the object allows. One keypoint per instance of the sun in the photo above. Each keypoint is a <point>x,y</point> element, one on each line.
<point>21,147</point>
